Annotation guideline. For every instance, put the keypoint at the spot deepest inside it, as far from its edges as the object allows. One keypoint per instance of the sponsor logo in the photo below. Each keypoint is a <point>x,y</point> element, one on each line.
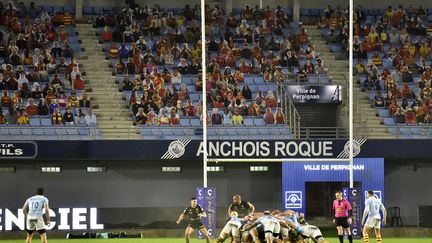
<point>61,219</point>
<point>357,143</point>
<point>18,150</point>
<point>293,199</point>
<point>176,149</point>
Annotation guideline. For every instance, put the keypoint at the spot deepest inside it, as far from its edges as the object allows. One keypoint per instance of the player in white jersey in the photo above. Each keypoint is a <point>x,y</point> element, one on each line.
<point>305,230</point>
<point>232,228</point>
<point>34,209</point>
<point>372,212</point>
<point>271,227</point>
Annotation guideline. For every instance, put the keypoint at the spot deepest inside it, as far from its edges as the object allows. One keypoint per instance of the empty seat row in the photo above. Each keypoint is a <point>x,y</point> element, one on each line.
<point>60,131</point>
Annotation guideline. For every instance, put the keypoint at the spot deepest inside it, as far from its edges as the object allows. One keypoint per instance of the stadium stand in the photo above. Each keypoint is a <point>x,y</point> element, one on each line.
<point>392,58</point>
<point>160,76</point>
<point>43,95</point>
<point>151,59</point>
<point>251,55</point>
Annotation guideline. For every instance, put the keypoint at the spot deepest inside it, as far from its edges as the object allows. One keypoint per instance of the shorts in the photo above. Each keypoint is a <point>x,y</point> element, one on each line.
<point>272,227</point>
<point>284,232</point>
<point>33,224</point>
<point>311,231</point>
<point>233,229</point>
<point>373,223</point>
<point>196,224</point>
<point>342,222</point>
<point>237,233</point>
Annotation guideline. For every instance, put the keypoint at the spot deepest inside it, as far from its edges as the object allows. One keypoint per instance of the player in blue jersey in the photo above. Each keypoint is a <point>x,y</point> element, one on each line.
<point>34,209</point>
<point>271,227</point>
<point>232,228</point>
<point>372,213</point>
<point>296,222</point>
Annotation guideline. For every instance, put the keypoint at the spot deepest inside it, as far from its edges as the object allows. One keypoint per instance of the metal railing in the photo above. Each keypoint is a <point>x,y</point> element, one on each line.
<point>292,117</point>
<point>393,132</point>
<point>323,133</point>
<point>161,133</point>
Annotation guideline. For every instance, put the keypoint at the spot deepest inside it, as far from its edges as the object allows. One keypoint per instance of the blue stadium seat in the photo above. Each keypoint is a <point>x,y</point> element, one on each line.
<point>38,131</point>
<point>383,113</point>
<point>35,122</point>
<point>389,121</point>
<point>185,122</point>
<point>248,121</point>
<point>88,10</point>
<point>145,131</point>
<point>45,122</point>
<point>26,131</point>
<point>195,122</point>
<point>305,12</point>
<point>167,131</point>
<point>72,131</point>
<point>14,131</point>
<point>259,122</point>
<point>242,131</point>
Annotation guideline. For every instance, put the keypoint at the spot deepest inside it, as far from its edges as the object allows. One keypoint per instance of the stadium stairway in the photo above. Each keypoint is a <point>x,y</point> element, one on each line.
<point>113,117</point>
<point>366,122</point>
<point>337,68</point>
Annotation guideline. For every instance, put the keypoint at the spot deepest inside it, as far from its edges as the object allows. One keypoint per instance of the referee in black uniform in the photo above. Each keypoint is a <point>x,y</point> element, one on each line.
<point>194,212</point>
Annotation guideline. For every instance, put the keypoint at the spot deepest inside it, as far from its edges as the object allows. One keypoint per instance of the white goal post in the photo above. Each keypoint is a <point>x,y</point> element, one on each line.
<point>349,160</point>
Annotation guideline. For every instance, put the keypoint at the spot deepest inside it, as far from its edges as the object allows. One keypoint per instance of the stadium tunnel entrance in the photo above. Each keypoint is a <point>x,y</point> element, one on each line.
<point>320,196</point>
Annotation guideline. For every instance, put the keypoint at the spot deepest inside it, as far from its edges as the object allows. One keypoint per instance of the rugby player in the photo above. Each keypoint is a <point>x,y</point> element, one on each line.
<point>232,228</point>
<point>243,208</point>
<point>292,221</point>
<point>372,212</point>
<point>271,227</point>
<point>194,212</point>
<point>33,210</point>
<point>342,216</point>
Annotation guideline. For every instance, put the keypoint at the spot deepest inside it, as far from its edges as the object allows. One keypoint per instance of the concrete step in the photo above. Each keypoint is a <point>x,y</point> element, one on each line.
<point>111,128</point>
<point>113,117</point>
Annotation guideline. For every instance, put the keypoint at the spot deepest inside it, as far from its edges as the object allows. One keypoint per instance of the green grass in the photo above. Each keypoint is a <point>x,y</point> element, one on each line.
<point>178,240</point>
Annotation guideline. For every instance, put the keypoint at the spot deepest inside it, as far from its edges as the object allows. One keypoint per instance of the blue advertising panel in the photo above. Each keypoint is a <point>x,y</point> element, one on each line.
<point>18,150</point>
<point>187,149</point>
<point>368,171</point>
<point>206,198</point>
<point>354,196</point>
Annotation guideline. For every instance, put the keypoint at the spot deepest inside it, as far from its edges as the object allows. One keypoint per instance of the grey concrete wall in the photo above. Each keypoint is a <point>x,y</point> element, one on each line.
<point>138,193</point>
<point>138,184</point>
<point>407,188</point>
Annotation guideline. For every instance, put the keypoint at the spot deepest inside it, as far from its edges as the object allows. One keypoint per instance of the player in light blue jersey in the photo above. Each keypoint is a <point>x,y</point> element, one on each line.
<point>34,209</point>
<point>372,212</point>
<point>295,221</point>
<point>232,228</point>
<point>271,227</point>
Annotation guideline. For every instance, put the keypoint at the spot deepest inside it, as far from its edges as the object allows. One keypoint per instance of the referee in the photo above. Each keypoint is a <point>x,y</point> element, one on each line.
<point>342,216</point>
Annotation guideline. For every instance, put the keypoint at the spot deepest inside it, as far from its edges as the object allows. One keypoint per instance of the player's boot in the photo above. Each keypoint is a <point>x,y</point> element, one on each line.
<point>219,240</point>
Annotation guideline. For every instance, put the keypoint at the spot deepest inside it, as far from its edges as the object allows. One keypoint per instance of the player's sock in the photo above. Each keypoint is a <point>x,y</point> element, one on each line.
<point>350,238</point>
<point>340,238</point>
<point>219,240</point>
<point>366,238</point>
<point>378,239</point>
